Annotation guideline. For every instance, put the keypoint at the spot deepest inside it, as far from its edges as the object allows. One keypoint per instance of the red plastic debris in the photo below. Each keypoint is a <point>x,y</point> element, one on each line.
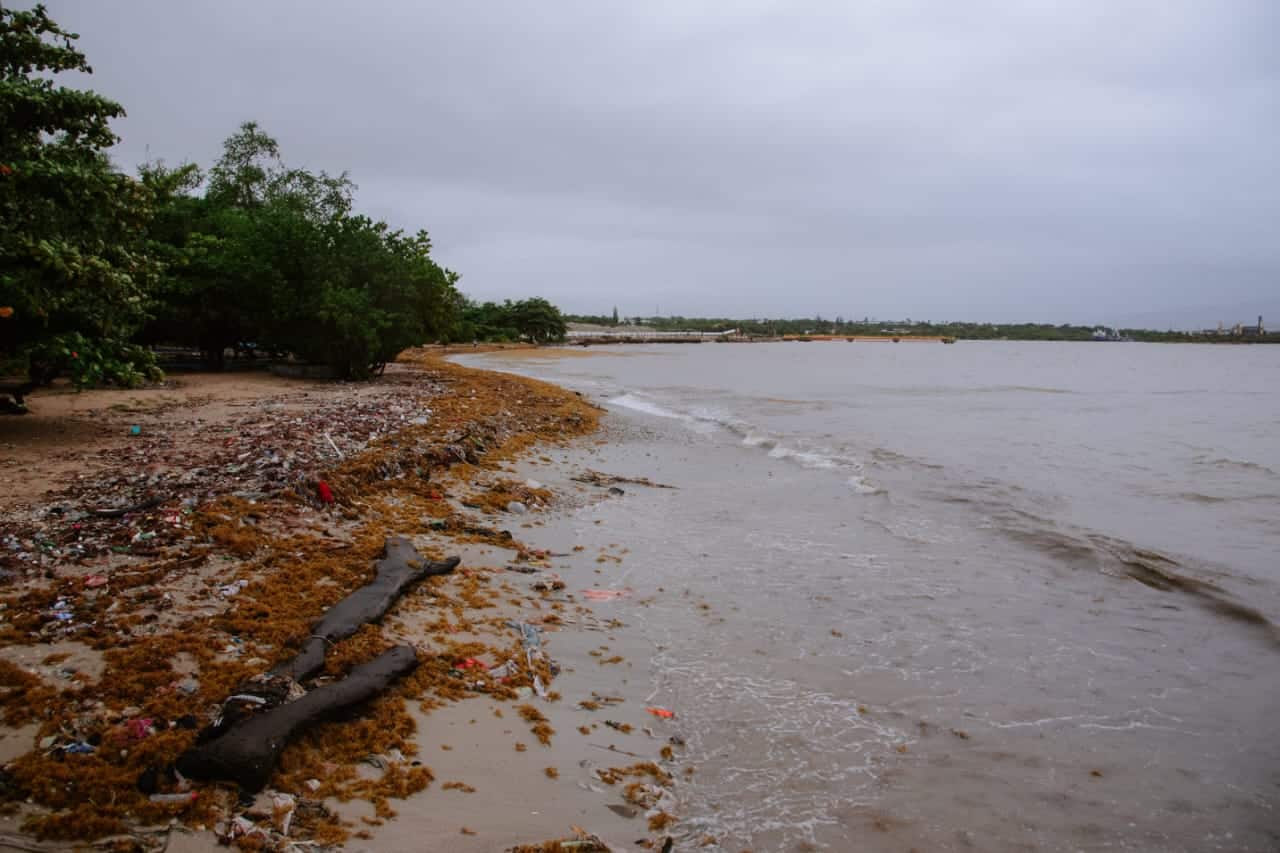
<point>95,580</point>
<point>139,728</point>
<point>326,494</point>
<point>605,594</point>
<point>661,712</point>
<point>472,663</point>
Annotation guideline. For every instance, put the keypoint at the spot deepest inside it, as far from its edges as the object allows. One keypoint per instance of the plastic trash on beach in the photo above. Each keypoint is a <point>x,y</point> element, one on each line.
<point>605,594</point>
<point>233,589</point>
<point>529,635</point>
<point>661,712</point>
<point>324,492</point>
<point>282,809</point>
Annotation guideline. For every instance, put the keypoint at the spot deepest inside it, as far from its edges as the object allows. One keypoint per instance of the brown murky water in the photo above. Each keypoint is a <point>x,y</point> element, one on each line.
<point>991,596</point>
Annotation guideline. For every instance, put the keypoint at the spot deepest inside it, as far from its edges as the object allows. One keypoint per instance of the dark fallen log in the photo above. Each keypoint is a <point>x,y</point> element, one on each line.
<point>400,567</point>
<point>247,753</point>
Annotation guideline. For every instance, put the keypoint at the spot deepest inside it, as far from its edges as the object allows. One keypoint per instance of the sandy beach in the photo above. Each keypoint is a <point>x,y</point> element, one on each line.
<point>164,546</point>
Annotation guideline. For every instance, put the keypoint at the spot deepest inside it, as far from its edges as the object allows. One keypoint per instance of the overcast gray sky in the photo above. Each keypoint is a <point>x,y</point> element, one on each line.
<point>1080,160</point>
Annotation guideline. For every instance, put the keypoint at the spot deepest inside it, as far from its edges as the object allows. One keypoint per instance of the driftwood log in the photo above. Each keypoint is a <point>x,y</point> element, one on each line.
<point>400,567</point>
<point>247,753</point>
<point>258,720</point>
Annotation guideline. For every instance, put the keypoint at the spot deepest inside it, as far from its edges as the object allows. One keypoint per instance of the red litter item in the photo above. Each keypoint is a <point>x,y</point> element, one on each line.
<point>472,663</point>
<point>661,712</point>
<point>326,493</point>
<point>95,580</point>
<point>605,594</point>
<point>139,728</point>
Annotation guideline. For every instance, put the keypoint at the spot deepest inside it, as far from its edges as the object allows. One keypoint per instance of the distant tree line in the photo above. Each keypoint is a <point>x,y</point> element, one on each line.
<point>817,325</point>
<point>97,266</point>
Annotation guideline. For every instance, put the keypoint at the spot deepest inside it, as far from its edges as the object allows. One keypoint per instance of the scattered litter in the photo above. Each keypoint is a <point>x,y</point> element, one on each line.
<point>135,430</point>
<point>517,507</point>
<point>95,581</point>
<point>529,636</point>
<point>140,729</point>
<point>184,797</point>
<point>233,589</point>
<point>661,712</point>
<point>605,594</point>
<point>282,809</point>
<point>325,493</point>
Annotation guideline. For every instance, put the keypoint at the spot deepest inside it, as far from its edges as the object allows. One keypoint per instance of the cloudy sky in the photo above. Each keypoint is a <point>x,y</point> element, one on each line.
<point>1080,160</point>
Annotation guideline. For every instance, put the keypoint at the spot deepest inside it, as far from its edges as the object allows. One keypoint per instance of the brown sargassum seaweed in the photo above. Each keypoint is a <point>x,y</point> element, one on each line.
<point>293,572</point>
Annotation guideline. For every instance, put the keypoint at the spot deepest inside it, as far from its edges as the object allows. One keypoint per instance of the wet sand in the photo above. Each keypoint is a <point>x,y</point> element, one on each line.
<point>161,629</point>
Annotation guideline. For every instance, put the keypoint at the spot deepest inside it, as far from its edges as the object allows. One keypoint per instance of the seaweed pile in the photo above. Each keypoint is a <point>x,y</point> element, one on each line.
<point>192,571</point>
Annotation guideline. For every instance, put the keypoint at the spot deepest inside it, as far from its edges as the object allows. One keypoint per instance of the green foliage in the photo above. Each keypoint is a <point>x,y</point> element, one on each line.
<point>74,270</point>
<point>535,320</point>
<point>252,255</point>
<point>275,257</point>
<point>88,362</point>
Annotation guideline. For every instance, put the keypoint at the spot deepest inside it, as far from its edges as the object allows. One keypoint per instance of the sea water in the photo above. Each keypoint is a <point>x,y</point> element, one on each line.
<point>990,596</point>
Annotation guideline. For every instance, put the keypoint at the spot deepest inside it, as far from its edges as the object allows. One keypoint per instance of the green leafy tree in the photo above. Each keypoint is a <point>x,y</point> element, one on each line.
<point>538,320</point>
<point>378,293</point>
<point>275,257</point>
<point>74,265</point>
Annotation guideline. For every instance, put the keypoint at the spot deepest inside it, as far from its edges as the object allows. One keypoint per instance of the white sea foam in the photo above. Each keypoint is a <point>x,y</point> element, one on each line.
<point>706,421</point>
<point>648,407</point>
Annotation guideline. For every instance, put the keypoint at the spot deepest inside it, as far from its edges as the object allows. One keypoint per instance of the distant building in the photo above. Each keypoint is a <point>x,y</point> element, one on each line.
<point>1239,330</point>
<point>1243,331</point>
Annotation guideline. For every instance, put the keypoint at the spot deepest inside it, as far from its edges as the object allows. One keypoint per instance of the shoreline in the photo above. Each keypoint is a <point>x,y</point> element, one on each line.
<point>115,654</point>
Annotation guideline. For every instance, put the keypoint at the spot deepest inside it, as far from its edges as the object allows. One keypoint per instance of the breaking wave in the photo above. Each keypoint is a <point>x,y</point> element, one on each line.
<point>638,404</point>
<point>796,450</point>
